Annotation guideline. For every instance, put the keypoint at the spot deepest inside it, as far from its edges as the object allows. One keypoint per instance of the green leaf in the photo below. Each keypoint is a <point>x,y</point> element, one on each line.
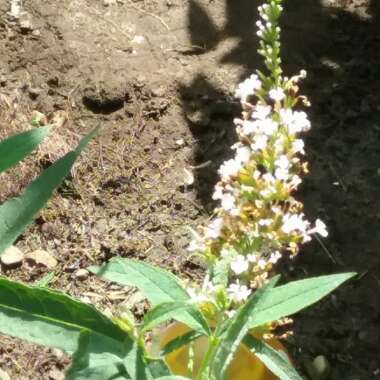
<point>143,368</point>
<point>173,377</point>
<point>45,280</point>
<point>92,361</point>
<point>220,272</point>
<point>157,368</point>
<point>15,148</point>
<point>53,319</point>
<point>275,361</point>
<point>179,342</point>
<point>17,213</point>
<point>237,330</point>
<point>290,298</point>
<point>155,283</point>
<point>170,310</point>
<point>135,364</point>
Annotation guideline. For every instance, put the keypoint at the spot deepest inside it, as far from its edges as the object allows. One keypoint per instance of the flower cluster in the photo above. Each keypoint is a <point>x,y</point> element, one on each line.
<point>258,220</point>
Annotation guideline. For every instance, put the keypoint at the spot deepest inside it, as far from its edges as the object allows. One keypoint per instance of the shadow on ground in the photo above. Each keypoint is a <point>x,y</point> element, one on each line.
<point>340,51</point>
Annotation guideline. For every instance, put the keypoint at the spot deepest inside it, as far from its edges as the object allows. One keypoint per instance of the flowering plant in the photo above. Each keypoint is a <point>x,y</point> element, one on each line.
<point>258,220</point>
<point>222,325</point>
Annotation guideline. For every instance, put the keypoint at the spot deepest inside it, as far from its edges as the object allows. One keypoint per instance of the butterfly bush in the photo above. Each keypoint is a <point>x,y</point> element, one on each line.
<point>258,221</point>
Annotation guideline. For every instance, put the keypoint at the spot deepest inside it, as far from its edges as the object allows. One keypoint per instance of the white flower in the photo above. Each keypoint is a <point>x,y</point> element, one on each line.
<point>295,181</point>
<point>261,112</point>
<point>239,265</point>
<point>277,94</point>
<point>268,191</point>
<point>248,127</point>
<point>298,146</point>
<point>282,162</point>
<point>218,193</point>
<point>260,143</point>
<point>320,228</point>
<point>229,168</point>
<point>252,258</point>
<point>228,202</point>
<point>256,174</point>
<point>230,313</point>
<point>286,116</point>
<point>274,257</point>
<point>243,154</point>
<point>248,87</point>
<point>214,228</point>
<point>296,121</point>
<point>293,223</point>
<point>268,126</point>
<point>196,296</point>
<point>267,177</point>
<point>238,293</point>
<point>281,174</point>
<point>262,263</point>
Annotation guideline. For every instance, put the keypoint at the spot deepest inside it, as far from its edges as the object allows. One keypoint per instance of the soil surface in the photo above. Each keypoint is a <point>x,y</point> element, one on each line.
<point>159,76</point>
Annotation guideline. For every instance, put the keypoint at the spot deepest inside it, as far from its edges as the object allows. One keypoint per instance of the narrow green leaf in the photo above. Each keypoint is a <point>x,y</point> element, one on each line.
<point>17,213</point>
<point>237,330</point>
<point>290,298</point>
<point>179,342</point>
<point>173,377</point>
<point>170,310</point>
<point>276,362</point>
<point>15,148</point>
<point>45,280</point>
<point>155,283</point>
<point>92,361</point>
<point>53,319</point>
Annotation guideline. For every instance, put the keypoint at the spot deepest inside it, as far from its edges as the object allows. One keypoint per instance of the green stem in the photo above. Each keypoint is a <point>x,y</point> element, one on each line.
<point>212,346</point>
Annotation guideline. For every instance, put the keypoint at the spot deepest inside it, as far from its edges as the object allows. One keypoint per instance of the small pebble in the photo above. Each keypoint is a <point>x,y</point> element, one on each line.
<point>12,257</point>
<point>138,40</point>
<point>188,177</point>
<point>41,257</point>
<point>81,274</point>
<point>319,368</point>
<point>107,3</point>
<point>26,26</point>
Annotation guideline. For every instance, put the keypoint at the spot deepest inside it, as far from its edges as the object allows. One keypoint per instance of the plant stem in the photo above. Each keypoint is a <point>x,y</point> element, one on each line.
<point>205,365</point>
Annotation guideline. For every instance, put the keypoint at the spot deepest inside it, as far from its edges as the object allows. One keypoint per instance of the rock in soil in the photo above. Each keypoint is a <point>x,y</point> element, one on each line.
<point>319,368</point>
<point>81,274</point>
<point>12,257</point>
<point>41,257</point>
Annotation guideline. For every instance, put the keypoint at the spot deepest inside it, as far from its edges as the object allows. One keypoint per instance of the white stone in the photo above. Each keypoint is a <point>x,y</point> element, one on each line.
<point>41,257</point>
<point>12,257</point>
<point>81,274</point>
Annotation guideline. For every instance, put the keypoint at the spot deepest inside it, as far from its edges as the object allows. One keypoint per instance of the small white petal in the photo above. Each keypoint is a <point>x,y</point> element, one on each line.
<point>239,265</point>
<point>214,228</point>
<point>277,94</point>
<point>238,292</point>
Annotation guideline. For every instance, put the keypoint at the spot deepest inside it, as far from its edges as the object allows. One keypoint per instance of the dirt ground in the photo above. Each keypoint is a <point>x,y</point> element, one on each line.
<point>158,76</point>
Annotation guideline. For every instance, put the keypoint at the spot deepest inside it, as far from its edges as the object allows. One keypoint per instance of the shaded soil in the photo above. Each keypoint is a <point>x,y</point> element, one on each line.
<point>159,75</point>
